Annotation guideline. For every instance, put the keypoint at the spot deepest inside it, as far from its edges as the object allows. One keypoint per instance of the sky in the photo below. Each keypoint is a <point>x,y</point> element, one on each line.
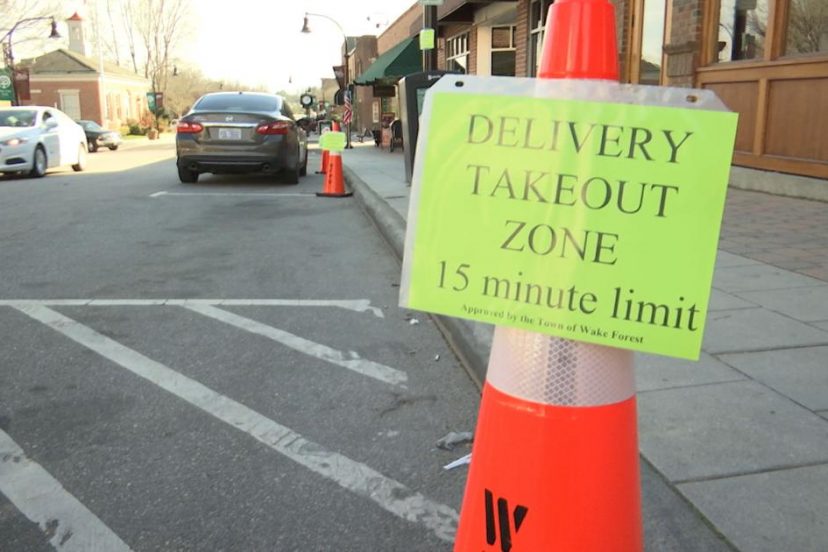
<point>259,41</point>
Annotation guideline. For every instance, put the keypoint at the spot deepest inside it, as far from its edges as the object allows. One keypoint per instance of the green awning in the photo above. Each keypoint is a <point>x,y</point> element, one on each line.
<point>401,60</point>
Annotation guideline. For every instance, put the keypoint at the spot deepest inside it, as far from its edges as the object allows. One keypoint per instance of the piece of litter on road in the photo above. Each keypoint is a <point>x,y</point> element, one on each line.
<point>455,438</point>
<point>413,321</point>
<point>436,358</point>
<point>459,462</point>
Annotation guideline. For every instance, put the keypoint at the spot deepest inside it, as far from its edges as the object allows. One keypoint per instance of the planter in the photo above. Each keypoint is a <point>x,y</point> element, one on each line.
<point>152,134</point>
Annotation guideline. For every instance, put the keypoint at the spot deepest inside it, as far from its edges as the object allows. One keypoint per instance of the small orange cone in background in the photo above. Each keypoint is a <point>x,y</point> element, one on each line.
<point>323,166</point>
<point>324,163</point>
<point>555,460</point>
<point>334,183</point>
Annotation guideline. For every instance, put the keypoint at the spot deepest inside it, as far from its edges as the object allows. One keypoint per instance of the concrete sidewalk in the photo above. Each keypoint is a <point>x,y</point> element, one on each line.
<point>734,447</point>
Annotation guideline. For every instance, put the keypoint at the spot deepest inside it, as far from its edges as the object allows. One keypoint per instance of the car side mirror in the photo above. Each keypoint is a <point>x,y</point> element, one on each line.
<point>51,123</point>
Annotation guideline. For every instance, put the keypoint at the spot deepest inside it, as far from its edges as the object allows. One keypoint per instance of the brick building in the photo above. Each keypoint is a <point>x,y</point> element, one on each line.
<point>766,59</point>
<point>83,87</point>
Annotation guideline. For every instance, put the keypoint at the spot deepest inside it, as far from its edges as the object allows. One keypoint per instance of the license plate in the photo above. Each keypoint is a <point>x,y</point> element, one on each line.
<point>229,134</point>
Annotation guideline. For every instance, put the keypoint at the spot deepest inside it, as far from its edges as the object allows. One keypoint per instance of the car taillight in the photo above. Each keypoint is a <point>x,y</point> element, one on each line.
<point>185,127</point>
<point>276,127</point>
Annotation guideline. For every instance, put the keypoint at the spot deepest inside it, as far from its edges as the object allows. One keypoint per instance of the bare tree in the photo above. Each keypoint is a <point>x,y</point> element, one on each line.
<point>807,26</point>
<point>190,84</point>
<point>160,25</point>
<point>110,26</point>
<point>114,26</point>
<point>128,15</point>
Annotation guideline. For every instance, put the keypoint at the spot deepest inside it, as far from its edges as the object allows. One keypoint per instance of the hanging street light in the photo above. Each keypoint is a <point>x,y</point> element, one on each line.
<point>8,51</point>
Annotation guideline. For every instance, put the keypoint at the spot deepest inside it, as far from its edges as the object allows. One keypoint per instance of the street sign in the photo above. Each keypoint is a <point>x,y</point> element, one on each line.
<point>332,141</point>
<point>427,39</point>
<point>431,2</point>
<point>593,220</point>
<point>151,101</point>
<point>6,92</point>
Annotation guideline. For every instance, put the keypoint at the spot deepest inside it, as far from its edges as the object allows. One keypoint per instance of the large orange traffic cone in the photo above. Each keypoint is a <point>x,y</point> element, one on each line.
<point>555,460</point>
<point>334,183</point>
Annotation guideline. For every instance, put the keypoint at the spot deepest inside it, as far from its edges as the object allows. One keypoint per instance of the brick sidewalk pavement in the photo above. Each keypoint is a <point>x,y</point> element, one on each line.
<point>785,232</point>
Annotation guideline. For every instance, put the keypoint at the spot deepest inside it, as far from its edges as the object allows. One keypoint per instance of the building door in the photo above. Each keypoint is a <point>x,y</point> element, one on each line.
<point>70,103</point>
<point>647,41</point>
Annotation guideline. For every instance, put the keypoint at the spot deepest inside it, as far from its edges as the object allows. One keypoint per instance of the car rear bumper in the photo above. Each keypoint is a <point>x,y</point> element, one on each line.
<point>217,164</point>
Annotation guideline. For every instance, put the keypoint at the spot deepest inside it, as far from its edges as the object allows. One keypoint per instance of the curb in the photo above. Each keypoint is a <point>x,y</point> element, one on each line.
<point>146,142</point>
<point>469,340</point>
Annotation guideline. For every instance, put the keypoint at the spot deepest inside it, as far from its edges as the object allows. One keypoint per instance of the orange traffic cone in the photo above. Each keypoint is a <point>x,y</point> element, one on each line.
<point>324,162</point>
<point>555,460</point>
<point>334,183</point>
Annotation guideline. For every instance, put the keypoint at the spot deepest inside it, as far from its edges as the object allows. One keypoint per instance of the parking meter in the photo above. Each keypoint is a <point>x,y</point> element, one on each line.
<point>412,93</point>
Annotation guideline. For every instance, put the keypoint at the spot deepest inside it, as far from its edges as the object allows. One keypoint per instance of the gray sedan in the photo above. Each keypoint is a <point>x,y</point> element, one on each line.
<point>240,132</point>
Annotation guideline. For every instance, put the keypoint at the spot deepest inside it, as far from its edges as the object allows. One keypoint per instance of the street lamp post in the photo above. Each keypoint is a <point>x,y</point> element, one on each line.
<point>306,29</point>
<point>430,22</point>
<point>8,52</point>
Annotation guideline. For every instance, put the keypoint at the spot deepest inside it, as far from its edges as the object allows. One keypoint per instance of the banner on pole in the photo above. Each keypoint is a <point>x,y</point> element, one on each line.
<point>6,90</point>
<point>347,113</point>
<point>22,84</point>
<point>583,209</point>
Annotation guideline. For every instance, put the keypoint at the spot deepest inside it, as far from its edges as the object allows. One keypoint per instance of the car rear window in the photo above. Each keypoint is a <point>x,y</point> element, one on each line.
<point>238,102</point>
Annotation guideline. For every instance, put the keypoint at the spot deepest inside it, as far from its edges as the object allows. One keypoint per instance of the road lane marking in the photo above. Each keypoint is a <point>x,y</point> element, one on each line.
<point>350,360</point>
<point>42,499</point>
<point>233,194</point>
<point>360,479</point>
<point>356,305</point>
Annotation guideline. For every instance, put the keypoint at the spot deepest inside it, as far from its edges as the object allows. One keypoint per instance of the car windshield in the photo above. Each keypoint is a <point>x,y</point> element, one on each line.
<point>90,125</point>
<point>18,118</point>
<point>238,102</point>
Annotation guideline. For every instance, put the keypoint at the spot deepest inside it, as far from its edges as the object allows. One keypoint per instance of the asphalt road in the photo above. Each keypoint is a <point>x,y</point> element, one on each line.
<point>219,366</point>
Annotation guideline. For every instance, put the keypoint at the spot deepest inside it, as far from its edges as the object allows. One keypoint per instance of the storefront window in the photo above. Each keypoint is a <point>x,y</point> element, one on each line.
<point>807,31</point>
<point>743,25</point>
<point>503,51</point>
<point>457,53</point>
<point>537,20</point>
<point>652,39</point>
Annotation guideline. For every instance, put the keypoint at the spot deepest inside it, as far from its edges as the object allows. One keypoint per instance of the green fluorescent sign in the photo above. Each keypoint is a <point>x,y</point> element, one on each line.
<point>427,39</point>
<point>587,220</point>
<point>332,141</point>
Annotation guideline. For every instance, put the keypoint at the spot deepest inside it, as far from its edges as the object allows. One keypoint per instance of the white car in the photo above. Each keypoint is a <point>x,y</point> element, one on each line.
<point>34,139</point>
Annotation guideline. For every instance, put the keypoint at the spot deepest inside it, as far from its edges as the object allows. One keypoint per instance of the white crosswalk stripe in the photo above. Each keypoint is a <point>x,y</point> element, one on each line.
<point>43,500</point>
<point>356,477</point>
<point>351,361</point>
